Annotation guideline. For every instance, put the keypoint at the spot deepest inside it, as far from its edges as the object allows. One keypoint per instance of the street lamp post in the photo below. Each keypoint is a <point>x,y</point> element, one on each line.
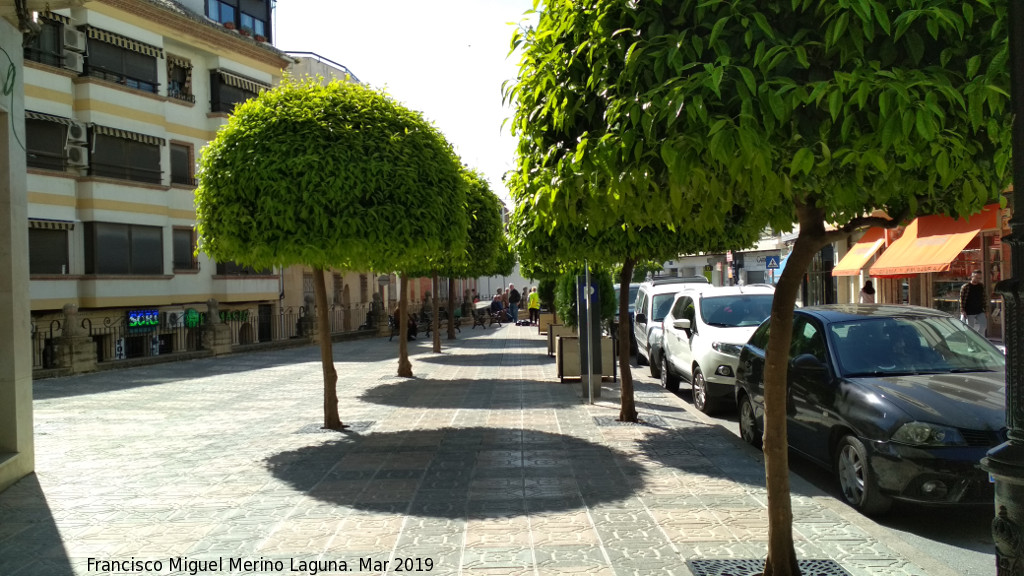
<point>1006,461</point>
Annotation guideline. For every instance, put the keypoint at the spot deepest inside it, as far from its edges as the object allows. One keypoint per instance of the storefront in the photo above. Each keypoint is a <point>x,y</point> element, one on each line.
<point>928,261</point>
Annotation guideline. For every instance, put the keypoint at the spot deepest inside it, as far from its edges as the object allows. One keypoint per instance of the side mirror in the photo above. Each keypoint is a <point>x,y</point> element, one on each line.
<point>809,366</point>
<point>683,324</point>
<point>641,318</point>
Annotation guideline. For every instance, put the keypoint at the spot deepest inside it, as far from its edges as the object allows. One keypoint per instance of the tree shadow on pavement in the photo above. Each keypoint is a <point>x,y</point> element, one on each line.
<point>474,472</point>
<point>465,394</point>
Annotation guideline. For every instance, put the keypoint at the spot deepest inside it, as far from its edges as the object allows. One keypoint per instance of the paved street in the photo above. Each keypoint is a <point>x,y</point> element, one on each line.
<point>482,464</point>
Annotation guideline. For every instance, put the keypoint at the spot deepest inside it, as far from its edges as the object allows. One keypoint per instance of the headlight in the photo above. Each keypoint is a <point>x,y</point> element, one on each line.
<point>726,348</point>
<point>925,434</point>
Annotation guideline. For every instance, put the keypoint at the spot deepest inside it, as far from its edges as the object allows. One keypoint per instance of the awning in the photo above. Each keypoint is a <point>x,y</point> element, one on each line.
<point>39,223</point>
<point>129,135</point>
<point>862,251</point>
<point>242,83</point>
<point>931,243</point>
<point>32,115</point>
<point>124,42</point>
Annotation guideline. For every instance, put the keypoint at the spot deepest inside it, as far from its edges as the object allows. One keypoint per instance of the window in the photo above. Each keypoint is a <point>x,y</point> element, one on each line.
<point>227,89</point>
<point>47,47</point>
<point>184,241</point>
<point>255,25</point>
<point>231,268</point>
<point>44,142</point>
<point>47,251</point>
<point>220,12</point>
<point>181,164</point>
<point>179,79</point>
<point>123,249</point>
<point>125,155</point>
<point>122,60</point>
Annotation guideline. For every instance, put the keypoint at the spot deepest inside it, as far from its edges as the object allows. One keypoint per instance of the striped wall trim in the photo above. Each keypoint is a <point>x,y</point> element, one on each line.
<point>40,224</point>
<point>124,42</point>
<point>30,115</point>
<point>55,17</point>
<point>242,82</point>
<point>128,135</point>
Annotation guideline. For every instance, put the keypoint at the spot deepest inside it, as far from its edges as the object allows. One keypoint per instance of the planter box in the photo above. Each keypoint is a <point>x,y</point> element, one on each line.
<point>567,358</point>
<point>556,330</point>
<point>544,320</point>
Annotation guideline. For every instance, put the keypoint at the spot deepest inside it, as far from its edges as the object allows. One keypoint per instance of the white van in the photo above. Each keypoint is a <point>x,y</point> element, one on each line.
<point>653,300</point>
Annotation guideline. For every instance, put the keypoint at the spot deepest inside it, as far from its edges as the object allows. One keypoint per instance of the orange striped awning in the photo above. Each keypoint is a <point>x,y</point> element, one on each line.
<point>855,259</point>
<point>931,243</point>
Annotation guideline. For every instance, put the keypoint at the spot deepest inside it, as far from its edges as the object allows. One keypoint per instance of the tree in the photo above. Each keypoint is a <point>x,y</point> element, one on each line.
<point>788,111</point>
<point>335,175</point>
<point>580,197</point>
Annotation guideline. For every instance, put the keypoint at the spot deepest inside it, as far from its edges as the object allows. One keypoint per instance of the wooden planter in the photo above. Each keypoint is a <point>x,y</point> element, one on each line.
<point>544,320</point>
<point>556,330</point>
<point>567,358</point>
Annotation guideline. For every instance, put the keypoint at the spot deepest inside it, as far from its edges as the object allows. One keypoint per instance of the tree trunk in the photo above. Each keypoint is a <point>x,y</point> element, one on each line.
<point>331,419</point>
<point>404,366</point>
<point>627,410</point>
<point>451,308</point>
<point>435,308</point>
<point>781,559</point>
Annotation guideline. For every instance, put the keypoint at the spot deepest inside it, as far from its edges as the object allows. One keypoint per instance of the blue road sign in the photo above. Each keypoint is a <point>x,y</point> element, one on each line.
<point>771,263</point>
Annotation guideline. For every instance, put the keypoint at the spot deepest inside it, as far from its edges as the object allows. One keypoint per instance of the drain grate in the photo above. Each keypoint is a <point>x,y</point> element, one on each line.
<point>644,421</point>
<point>360,426</point>
<point>755,567</point>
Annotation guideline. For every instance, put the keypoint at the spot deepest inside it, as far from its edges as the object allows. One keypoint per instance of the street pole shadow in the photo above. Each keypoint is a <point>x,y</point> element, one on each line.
<point>30,542</point>
<point>465,394</point>
<point>474,472</point>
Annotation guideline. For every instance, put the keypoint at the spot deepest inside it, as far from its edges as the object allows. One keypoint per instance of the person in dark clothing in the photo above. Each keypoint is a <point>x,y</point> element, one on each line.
<point>973,301</point>
<point>513,302</point>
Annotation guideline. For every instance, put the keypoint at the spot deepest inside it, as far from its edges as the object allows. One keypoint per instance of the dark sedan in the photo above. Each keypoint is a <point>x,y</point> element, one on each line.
<point>902,402</point>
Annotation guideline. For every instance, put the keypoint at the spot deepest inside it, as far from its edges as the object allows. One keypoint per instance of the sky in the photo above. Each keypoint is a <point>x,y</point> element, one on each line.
<point>444,58</point>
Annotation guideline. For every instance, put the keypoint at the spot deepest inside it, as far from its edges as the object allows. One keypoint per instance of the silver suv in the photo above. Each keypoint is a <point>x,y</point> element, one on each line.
<point>653,300</point>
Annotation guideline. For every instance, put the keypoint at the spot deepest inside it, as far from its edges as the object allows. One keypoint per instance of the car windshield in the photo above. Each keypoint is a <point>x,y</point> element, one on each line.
<point>926,345</point>
<point>736,310</point>
<point>661,305</point>
<point>633,290</point>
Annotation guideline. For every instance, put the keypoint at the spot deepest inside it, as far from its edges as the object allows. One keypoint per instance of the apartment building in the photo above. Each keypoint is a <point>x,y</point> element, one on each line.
<point>119,97</point>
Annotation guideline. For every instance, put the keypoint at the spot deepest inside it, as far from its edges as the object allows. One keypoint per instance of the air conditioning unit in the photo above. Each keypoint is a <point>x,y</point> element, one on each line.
<point>78,156</point>
<point>74,61</point>
<point>174,318</point>
<point>77,132</point>
<point>74,40</point>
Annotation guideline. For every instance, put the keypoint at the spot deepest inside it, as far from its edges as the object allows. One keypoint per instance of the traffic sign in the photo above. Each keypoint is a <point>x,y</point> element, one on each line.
<point>771,263</point>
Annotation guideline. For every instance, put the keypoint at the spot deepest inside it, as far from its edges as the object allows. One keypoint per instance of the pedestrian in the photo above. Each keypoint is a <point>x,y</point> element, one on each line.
<point>867,293</point>
<point>504,305</point>
<point>973,301</point>
<point>533,303</point>
<point>514,297</point>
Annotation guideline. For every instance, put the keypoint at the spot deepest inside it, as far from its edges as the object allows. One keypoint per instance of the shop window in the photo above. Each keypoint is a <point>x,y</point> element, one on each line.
<point>45,143</point>
<point>118,59</point>
<point>184,243</point>
<point>179,79</point>
<point>125,156</point>
<point>123,249</point>
<point>47,251</point>
<point>181,164</point>
<point>46,47</point>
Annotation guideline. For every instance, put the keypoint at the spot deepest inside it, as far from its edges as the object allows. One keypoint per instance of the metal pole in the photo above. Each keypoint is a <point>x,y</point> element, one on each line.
<point>1006,462</point>
<point>590,340</point>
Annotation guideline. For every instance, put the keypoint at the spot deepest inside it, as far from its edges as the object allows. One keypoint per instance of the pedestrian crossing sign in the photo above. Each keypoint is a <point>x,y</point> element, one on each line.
<point>771,263</point>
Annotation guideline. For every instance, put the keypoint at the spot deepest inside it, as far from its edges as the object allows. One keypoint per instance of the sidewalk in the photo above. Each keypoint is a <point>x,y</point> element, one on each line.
<point>482,464</point>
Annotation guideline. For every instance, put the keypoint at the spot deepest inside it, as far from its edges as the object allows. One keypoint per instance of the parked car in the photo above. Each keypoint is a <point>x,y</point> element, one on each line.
<point>703,334</point>
<point>634,288</point>
<point>653,300</point>
<point>901,402</point>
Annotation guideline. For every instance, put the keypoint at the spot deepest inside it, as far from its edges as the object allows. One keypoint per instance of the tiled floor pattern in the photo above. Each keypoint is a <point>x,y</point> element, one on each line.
<point>482,464</point>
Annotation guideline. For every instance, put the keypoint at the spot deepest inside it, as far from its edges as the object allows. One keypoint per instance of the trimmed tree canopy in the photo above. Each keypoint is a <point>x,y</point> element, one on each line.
<point>328,175</point>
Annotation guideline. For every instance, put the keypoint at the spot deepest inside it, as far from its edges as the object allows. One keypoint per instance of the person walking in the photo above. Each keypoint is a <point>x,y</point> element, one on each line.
<point>973,301</point>
<point>867,293</point>
<point>533,303</point>
<point>514,297</point>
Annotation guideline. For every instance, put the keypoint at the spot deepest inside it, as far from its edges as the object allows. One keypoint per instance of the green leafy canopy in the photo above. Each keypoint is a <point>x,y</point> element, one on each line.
<point>335,175</point>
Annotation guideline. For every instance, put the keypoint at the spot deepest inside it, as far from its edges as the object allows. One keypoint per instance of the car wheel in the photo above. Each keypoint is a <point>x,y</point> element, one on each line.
<point>655,367</point>
<point>857,479</point>
<point>701,401</point>
<point>749,430</point>
<point>668,380</point>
